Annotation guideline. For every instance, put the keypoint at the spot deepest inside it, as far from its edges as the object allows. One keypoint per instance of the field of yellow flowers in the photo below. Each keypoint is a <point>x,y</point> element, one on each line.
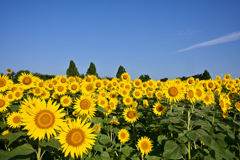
<point>92,118</point>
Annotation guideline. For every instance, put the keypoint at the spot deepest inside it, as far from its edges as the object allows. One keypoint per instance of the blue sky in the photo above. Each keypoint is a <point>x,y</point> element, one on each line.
<point>160,38</point>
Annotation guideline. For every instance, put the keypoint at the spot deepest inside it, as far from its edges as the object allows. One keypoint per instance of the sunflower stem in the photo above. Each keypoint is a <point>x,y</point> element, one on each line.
<point>142,156</point>
<point>39,152</point>
<point>189,141</point>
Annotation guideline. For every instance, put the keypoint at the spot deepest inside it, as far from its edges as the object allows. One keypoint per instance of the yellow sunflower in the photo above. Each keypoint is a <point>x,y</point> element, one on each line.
<point>159,109</point>
<point>97,128</point>
<point>87,88</point>
<point>127,100</point>
<point>10,96</point>
<point>37,91</point>
<point>9,70</point>
<point>159,94</point>
<point>4,83</point>
<point>145,145</point>
<point>137,83</point>
<point>125,76</point>
<point>145,103</point>
<point>76,138</point>
<point>123,135</point>
<point>237,105</point>
<point>66,101</point>
<point>60,88</point>
<point>43,119</point>
<point>199,92</point>
<point>27,80</point>
<point>18,94</point>
<point>130,115</point>
<point>5,132</point>
<point>4,103</point>
<point>85,105</point>
<point>173,91</point>
<point>191,94</point>
<point>14,120</point>
<point>74,87</point>
<point>137,94</point>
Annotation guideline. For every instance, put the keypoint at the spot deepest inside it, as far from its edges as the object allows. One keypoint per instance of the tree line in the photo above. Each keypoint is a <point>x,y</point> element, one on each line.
<point>73,71</point>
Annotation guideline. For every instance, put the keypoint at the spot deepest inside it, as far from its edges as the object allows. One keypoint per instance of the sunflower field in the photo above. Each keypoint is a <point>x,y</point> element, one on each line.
<point>92,118</point>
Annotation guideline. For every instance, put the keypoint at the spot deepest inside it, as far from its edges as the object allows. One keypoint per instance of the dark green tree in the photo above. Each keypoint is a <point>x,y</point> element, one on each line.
<point>206,75</point>
<point>72,70</point>
<point>120,71</point>
<point>144,77</point>
<point>92,70</point>
<point>15,79</point>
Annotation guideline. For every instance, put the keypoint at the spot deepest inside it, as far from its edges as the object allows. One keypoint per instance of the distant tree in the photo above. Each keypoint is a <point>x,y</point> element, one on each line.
<point>164,79</point>
<point>109,78</point>
<point>72,70</point>
<point>120,71</point>
<point>15,79</point>
<point>206,75</point>
<point>92,70</point>
<point>144,77</point>
<point>43,76</point>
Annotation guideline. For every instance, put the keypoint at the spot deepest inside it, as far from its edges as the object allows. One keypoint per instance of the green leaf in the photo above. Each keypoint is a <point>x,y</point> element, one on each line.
<point>24,149</point>
<point>97,157</point>
<point>14,107</point>
<point>12,136</point>
<point>127,150</point>
<point>104,139</point>
<point>98,147</point>
<point>101,109</point>
<point>161,138</point>
<point>54,143</point>
<point>172,150</point>
<point>174,119</point>
<point>193,135</point>
<point>2,125</point>
<point>105,155</point>
<point>152,157</point>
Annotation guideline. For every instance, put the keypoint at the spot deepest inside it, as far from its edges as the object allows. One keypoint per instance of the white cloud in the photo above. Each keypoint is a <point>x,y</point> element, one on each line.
<point>228,38</point>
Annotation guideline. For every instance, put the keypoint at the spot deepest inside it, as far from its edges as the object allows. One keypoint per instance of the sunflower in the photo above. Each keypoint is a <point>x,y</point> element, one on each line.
<point>199,92</point>
<point>74,87</point>
<point>113,103</point>
<point>102,102</point>
<point>125,76</point>
<point>27,104</point>
<point>14,120</point>
<point>66,101</point>
<point>43,119</point>
<point>190,81</point>
<point>237,105</point>
<point>60,88</point>
<point>10,96</point>
<point>45,94</point>
<point>191,94</point>
<point>4,103</point>
<point>4,83</point>
<point>208,98</point>
<point>123,135</point>
<point>5,132</point>
<point>159,109</point>
<point>76,138</point>
<point>18,94</point>
<point>85,105</point>
<point>97,128</point>
<point>40,84</point>
<point>159,94</point>
<point>114,121</point>
<point>27,80</point>
<point>145,145</point>
<point>127,100</point>
<point>9,70</point>
<point>124,92</point>
<point>173,91</point>
<point>137,83</point>
<point>145,103</point>
<point>49,85</point>
<point>88,88</point>
<point>37,91</point>
<point>137,94</point>
<point>130,114</point>
<point>135,104</point>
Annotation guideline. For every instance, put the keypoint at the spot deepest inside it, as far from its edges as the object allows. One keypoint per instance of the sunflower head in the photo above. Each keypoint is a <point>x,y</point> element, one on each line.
<point>130,115</point>
<point>123,135</point>
<point>145,145</point>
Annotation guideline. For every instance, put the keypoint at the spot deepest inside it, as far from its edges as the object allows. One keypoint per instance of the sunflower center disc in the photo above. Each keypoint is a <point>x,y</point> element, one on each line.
<point>122,135</point>
<point>65,101</point>
<point>159,108</point>
<point>60,88</point>
<point>85,104</point>
<point>75,137</point>
<point>2,103</point>
<point>144,145</point>
<point>27,80</point>
<point>44,119</point>
<point>190,94</point>
<point>2,82</point>
<point>131,114</point>
<point>16,119</point>
<point>173,91</point>
<point>74,87</point>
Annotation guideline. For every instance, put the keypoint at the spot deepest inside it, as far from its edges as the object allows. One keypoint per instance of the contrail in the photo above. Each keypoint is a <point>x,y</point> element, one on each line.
<point>224,39</point>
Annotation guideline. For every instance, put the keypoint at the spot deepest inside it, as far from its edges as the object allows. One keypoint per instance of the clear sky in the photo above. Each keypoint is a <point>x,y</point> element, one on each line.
<point>161,38</point>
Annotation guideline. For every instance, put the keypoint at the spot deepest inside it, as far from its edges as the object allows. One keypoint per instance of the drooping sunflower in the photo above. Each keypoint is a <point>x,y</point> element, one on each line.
<point>85,105</point>
<point>173,91</point>
<point>4,103</point>
<point>14,120</point>
<point>4,83</point>
<point>76,138</point>
<point>159,109</point>
<point>130,115</point>
<point>97,128</point>
<point>145,145</point>
<point>27,80</point>
<point>123,135</point>
<point>66,101</point>
<point>43,119</point>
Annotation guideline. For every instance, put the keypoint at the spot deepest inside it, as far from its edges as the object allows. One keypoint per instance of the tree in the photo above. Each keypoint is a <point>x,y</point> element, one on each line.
<point>92,70</point>
<point>120,71</point>
<point>72,70</point>
<point>144,77</point>
<point>206,75</point>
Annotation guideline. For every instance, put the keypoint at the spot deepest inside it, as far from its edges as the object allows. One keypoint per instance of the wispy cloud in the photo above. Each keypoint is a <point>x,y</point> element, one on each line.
<point>224,39</point>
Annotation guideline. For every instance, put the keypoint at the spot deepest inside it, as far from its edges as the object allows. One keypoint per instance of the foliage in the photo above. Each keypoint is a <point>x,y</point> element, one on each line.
<point>92,70</point>
<point>120,71</point>
<point>144,77</point>
<point>72,70</point>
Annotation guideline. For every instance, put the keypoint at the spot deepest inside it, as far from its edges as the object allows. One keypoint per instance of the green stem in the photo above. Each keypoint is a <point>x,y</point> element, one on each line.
<point>39,152</point>
<point>189,141</point>
<point>142,156</point>
<point>213,117</point>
